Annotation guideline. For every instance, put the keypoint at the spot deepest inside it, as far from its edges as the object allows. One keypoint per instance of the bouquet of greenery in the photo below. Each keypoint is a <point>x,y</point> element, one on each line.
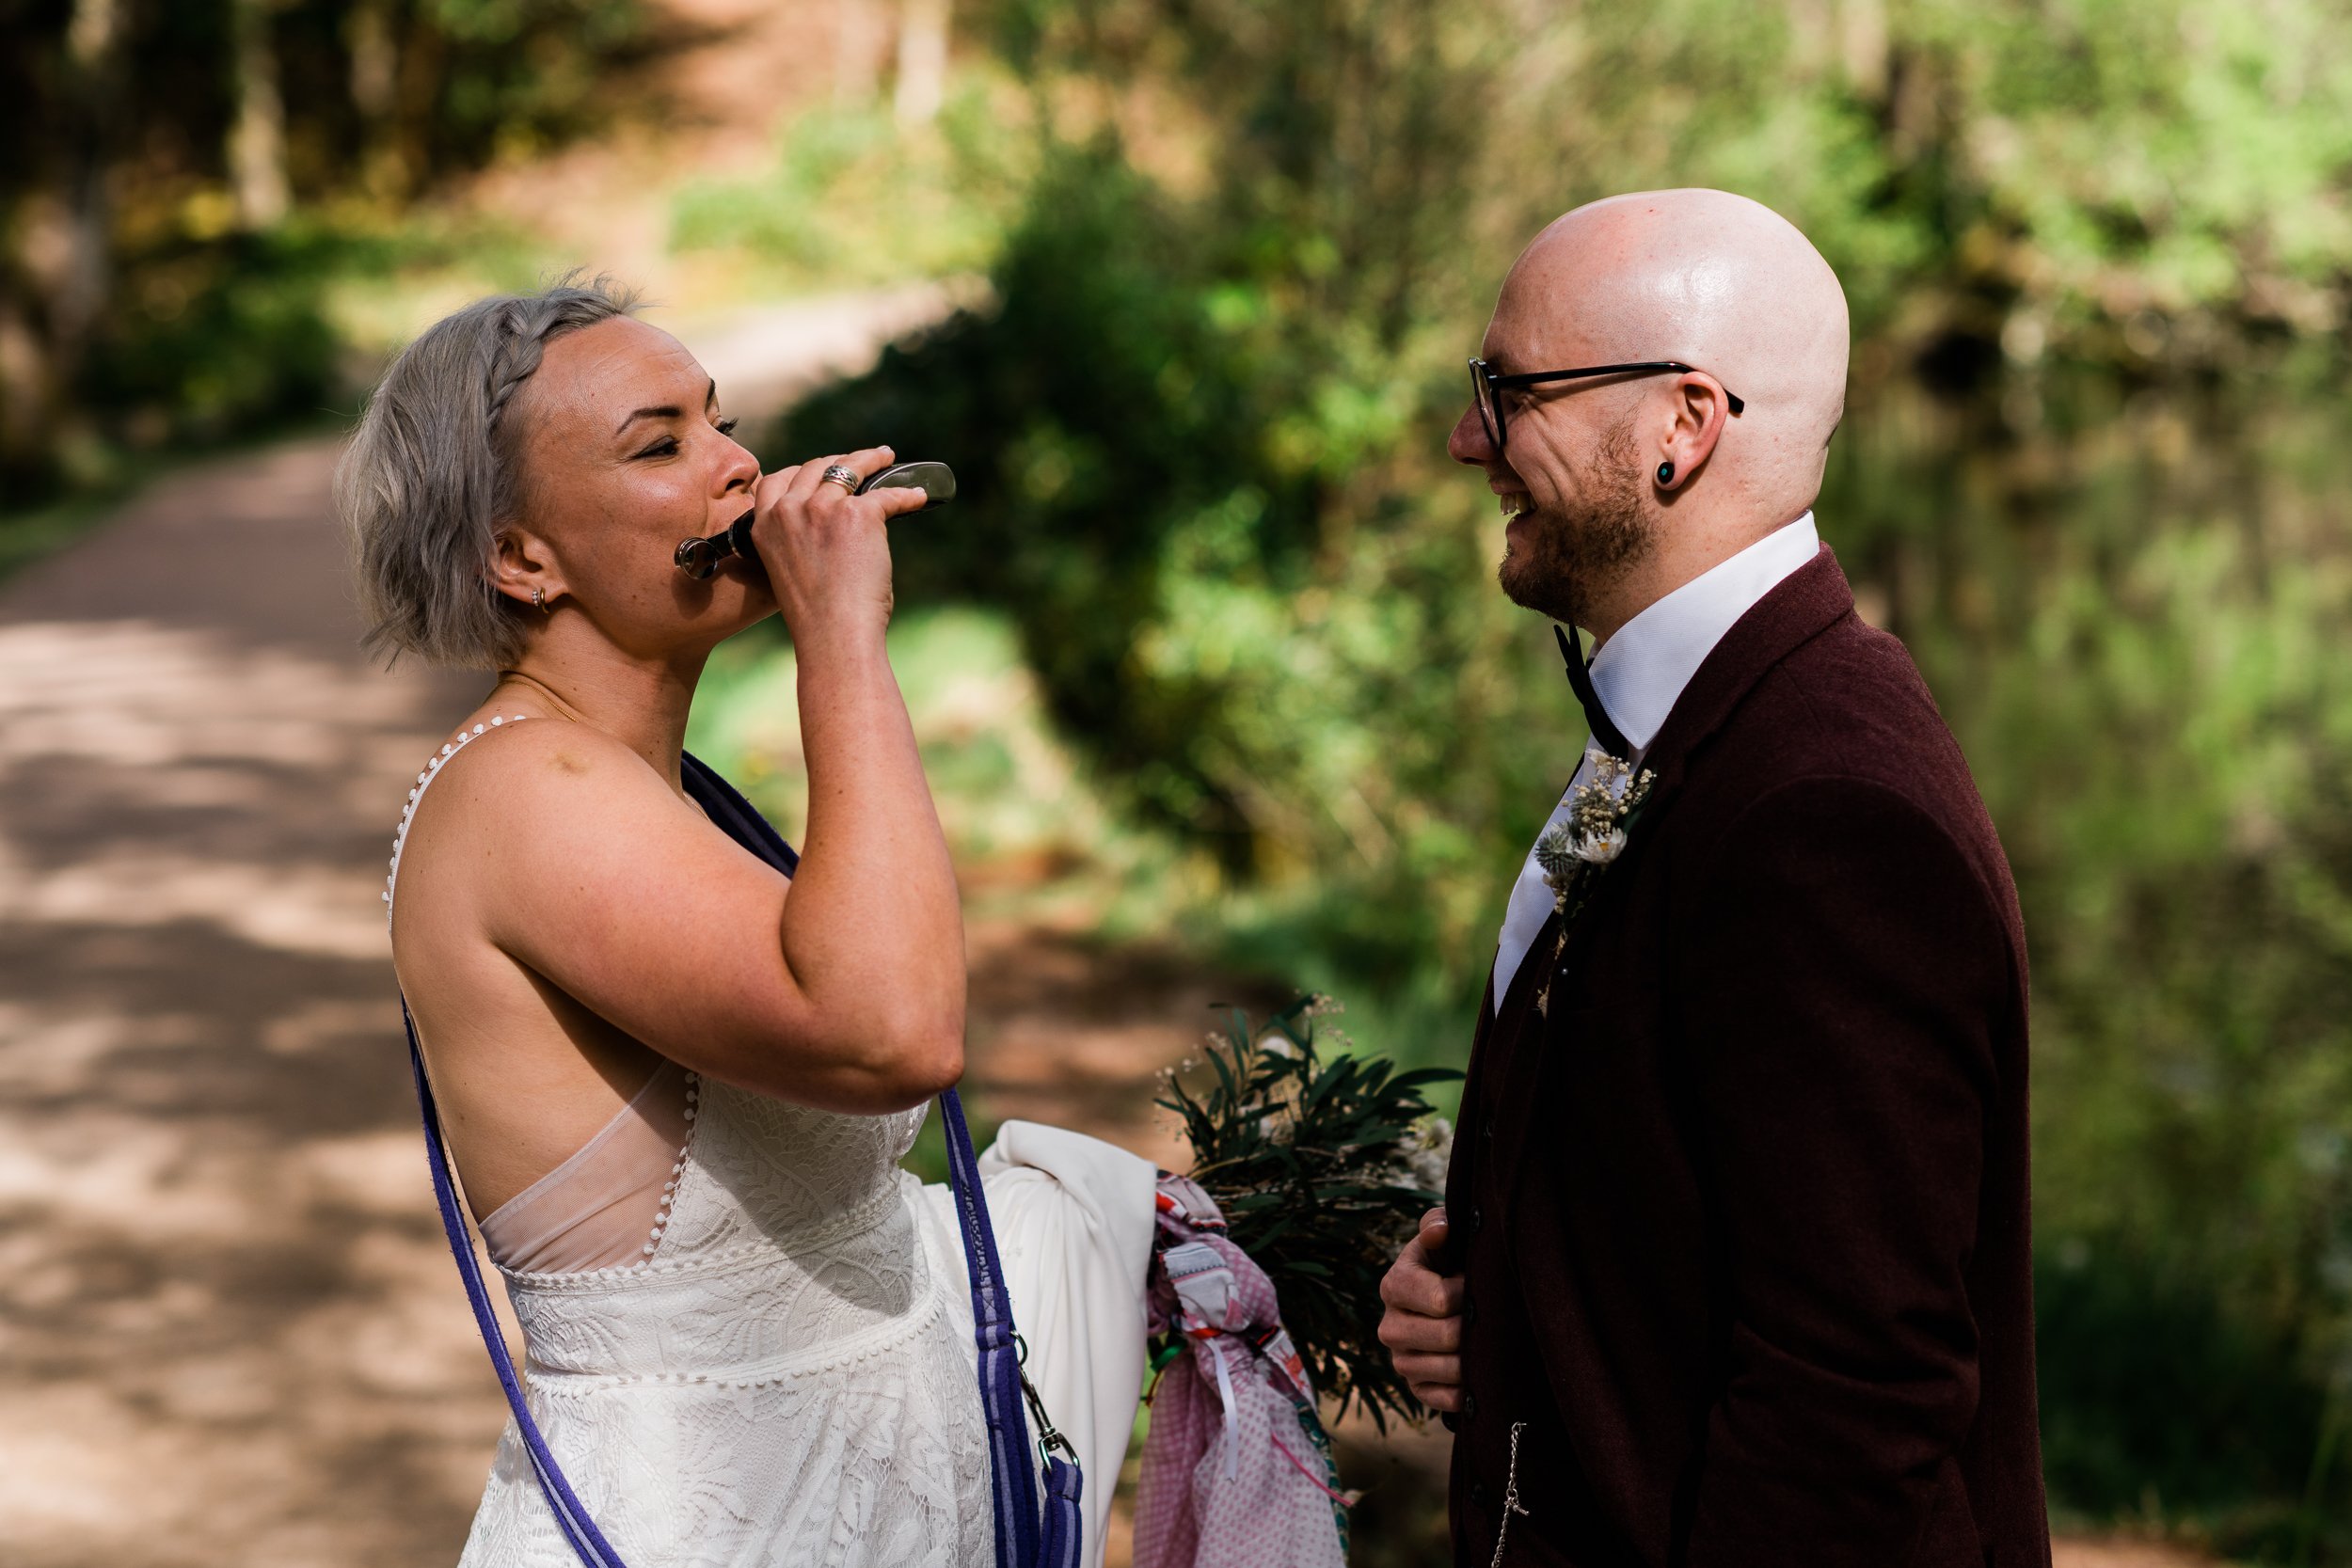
<point>1323,1166</point>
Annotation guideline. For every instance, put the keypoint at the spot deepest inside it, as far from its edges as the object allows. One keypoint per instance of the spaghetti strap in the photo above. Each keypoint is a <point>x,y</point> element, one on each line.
<point>424,782</point>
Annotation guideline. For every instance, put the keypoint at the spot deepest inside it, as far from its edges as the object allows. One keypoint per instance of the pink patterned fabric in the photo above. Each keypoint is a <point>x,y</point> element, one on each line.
<point>1236,1471</point>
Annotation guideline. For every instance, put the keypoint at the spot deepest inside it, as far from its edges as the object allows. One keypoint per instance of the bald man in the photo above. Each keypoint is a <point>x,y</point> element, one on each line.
<point>1737,1272</point>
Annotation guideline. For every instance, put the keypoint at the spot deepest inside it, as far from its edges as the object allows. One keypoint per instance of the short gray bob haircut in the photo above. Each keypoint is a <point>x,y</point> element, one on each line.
<point>435,468</point>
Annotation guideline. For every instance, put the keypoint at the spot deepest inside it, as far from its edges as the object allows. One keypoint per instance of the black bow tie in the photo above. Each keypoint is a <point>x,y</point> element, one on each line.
<point>1606,734</point>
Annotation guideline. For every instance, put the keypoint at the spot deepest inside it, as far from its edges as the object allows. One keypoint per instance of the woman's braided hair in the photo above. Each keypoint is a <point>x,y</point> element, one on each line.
<point>434,470</point>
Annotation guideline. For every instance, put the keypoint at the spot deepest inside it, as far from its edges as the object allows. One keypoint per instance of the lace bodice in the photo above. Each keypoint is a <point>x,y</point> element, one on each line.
<point>785,1375</point>
<point>784,1380</point>
<point>791,1234</point>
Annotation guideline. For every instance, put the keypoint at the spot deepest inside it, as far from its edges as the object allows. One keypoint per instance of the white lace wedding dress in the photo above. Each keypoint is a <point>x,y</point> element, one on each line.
<point>784,1381</point>
<point>786,1377</point>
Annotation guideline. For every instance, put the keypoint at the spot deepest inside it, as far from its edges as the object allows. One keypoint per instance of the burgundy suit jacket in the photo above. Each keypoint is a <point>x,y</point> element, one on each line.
<point>1744,1207</point>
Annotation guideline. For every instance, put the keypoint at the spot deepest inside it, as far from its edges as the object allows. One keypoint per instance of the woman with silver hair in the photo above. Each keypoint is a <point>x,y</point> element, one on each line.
<point>676,1081</point>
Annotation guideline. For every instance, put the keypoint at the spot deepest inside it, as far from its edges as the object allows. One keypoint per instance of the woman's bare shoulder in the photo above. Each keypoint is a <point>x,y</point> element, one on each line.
<point>540,761</point>
<point>569,854</point>
<point>541,791</point>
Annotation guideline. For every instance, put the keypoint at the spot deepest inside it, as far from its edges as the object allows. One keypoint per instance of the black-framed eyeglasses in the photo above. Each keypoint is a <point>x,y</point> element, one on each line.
<point>1487,388</point>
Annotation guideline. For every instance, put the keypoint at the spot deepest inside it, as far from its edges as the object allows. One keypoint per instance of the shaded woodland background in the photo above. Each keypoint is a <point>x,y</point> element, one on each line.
<point>1227,257</point>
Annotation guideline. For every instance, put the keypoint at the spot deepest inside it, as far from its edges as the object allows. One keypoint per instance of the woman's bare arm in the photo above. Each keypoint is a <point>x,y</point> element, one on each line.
<point>844,988</point>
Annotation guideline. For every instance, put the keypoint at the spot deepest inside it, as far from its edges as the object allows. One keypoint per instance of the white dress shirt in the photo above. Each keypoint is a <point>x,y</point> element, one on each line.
<point>1638,675</point>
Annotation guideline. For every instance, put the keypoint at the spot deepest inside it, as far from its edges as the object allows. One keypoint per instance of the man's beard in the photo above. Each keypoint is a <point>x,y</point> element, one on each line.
<point>1561,559</point>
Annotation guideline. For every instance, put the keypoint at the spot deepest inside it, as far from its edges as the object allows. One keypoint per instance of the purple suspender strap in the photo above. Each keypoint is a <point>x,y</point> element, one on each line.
<point>1003,1388</point>
<point>1020,1541</point>
<point>570,1517</point>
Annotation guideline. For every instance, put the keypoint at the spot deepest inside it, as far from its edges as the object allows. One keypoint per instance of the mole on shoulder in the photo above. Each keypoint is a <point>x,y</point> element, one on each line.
<point>571,762</point>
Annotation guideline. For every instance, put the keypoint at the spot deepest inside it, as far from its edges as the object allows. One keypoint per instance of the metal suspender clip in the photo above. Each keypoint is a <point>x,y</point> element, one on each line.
<point>1048,1436</point>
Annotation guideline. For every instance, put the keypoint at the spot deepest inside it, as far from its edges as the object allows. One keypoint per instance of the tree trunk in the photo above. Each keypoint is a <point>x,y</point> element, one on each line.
<point>859,44</point>
<point>27,398</point>
<point>83,278</point>
<point>54,285</point>
<point>417,94</point>
<point>1863,47</point>
<point>374,60</point>
<point>922,61</point>
<point>257,139</point>
<point>376,94</point>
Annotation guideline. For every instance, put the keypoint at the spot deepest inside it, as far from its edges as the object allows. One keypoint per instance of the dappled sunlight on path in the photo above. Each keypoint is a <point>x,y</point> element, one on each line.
<point>232,1329</point>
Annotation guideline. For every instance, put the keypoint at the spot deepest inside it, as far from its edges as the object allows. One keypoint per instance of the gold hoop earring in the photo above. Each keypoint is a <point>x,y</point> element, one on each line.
<point>539,600</point>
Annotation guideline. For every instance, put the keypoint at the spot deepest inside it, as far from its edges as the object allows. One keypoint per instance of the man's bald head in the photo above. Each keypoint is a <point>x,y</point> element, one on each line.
<point>1716,280</point>
<point>1623,488</point>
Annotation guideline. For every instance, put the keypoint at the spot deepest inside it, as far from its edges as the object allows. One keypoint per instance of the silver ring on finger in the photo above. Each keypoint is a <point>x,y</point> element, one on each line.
<point>848,479</point>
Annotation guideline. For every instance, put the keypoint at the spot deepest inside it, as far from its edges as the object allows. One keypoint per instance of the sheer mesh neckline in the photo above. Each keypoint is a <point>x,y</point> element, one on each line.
<point>604,1205</point>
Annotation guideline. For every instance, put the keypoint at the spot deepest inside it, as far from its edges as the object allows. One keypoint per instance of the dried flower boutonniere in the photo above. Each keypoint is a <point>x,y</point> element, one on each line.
<point>1574,853</point>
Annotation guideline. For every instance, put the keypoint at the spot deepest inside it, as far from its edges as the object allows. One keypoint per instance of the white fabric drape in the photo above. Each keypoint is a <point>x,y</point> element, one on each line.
<point>1072,1216</point>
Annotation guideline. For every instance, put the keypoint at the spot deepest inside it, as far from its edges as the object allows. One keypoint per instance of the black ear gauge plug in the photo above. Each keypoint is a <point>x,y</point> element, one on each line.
<point>699,558</point>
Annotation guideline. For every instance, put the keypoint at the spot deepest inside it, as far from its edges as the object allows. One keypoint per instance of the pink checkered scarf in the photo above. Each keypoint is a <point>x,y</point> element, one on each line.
<point>1237,1470</point>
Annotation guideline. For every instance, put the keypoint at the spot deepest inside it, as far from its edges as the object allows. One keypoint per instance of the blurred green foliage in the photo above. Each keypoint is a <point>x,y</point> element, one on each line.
<point>1009,793</point>
<point>2129,616</point>
<point>1149,459</point>
<point>219,335</point>
<point>2093,473</point>
<point>857,198</point>
<point>187,183</point>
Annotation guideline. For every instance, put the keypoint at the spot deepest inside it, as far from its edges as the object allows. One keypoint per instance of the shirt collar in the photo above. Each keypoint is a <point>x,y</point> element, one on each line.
<point>1639,674</point>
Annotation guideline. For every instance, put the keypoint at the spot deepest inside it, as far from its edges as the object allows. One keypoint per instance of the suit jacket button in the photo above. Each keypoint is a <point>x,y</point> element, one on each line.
<point>1478,1494</point>
<point>1470,1405</point>
<point>1470,1313</point>
<point>1490,1129</point>
<point>1478,1218</point>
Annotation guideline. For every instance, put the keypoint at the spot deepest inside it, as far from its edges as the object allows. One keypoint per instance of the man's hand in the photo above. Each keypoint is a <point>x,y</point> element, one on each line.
<point>1422,1327</point>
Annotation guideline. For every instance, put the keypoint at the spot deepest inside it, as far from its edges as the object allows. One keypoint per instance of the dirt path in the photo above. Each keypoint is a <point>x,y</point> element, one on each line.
<point>225,1341</point>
